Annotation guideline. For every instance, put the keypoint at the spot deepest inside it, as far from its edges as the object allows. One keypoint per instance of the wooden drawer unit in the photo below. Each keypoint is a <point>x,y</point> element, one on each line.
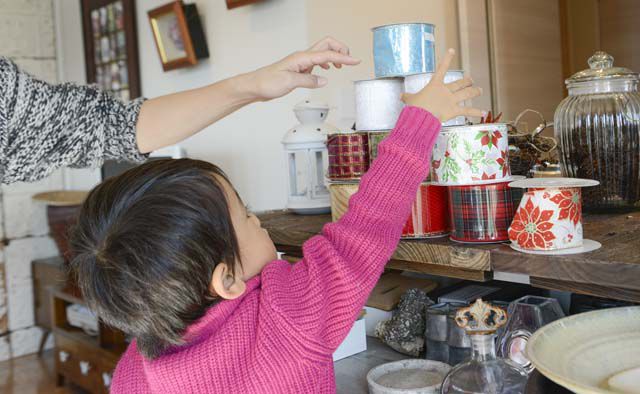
<point>84,365</point>
<point>85,360</point>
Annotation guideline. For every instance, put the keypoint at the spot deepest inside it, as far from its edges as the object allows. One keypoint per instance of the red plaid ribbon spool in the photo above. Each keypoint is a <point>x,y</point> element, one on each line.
<point>482,213</point>
<point>348,155</point>
<point>429,213</point>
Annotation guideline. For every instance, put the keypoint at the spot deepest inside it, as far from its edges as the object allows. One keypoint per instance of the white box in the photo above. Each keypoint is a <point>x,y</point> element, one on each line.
<point>373,317</point>
<point>355,342</point>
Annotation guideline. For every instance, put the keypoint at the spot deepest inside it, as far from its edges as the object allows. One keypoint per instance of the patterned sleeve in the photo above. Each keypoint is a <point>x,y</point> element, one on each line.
<point>44,127</point>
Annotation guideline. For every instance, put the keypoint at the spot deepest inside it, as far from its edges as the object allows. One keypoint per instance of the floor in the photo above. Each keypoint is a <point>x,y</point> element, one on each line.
<point>35,375</point>
<point>31,375</point>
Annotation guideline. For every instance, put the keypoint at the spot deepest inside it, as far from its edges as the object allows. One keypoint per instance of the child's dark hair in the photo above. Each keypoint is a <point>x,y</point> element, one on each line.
<point>145,247</point>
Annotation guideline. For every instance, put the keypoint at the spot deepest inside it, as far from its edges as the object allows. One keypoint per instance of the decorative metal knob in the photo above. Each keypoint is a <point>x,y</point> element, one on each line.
<point>63,356</point>
<point>85,367</point>
<point>106,379</point>
<point>481,318</point>
<point>600,60</point>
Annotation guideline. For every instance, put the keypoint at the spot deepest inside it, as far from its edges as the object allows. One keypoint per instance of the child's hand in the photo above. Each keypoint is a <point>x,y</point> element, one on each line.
<point>443,100</point>
<point>294,71</point>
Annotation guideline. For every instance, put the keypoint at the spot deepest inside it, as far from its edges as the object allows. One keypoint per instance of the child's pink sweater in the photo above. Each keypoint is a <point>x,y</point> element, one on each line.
<point>280,335</point>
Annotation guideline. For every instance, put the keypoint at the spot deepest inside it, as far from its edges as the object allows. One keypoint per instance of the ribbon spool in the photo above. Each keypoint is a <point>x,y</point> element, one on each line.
<point>482,213</point>
<point>378,103</point>
<point>428,218</point>
<point>549,217</point>
<point>403,49</point>
<point>348,155</point>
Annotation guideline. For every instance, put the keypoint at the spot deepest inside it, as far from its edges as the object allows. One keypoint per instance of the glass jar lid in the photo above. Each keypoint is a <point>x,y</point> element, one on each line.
<point>601,68</point>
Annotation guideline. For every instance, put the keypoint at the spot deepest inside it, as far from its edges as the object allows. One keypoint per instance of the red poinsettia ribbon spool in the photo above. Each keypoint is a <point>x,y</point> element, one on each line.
<point>348,155</point>
<point>482,213</point>
<point>550,214</point>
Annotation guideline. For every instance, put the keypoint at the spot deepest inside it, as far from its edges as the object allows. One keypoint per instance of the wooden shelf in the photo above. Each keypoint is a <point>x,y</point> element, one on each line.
<point>613,271</point>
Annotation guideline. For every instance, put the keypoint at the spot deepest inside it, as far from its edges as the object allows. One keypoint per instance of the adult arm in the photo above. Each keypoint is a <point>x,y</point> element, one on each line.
<point>44,127</point>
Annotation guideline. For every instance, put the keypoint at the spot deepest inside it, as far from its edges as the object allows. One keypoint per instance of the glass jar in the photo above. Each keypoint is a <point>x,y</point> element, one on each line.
<point>597,128</point>
<point>526,315</point>
<point>484,373</point>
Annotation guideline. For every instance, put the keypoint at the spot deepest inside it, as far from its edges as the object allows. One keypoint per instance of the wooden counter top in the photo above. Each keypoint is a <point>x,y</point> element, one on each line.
<point>613,271</point>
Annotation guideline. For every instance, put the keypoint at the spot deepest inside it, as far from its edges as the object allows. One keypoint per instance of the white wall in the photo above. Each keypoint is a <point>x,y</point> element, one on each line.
<point>351,21</point>
<point>247,143</point>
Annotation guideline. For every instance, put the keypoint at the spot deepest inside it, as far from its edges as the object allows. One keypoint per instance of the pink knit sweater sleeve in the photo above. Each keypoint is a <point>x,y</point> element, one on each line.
<point>320,296</point>
<point>129,374</point>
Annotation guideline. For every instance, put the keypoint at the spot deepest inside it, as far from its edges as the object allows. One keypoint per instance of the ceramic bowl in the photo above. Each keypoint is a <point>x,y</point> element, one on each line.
<point>588,352</point>
<point>471,155</point>
<point>412,376</point>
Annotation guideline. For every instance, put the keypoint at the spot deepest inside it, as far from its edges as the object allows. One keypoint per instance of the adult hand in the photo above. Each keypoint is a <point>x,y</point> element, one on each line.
<point>443,100</point>
<point>294,71</point>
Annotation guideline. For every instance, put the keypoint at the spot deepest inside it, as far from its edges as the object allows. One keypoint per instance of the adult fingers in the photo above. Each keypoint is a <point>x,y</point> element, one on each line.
<point>472,112</point>
<point>467,93</point>
<point>330,43</point>
<point>444,65</point>
<point>460,84</point>
<point>306,60</point>
<point>309,81</point>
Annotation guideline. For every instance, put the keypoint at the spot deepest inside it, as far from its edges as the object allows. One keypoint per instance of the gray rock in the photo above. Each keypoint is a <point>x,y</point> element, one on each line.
<point>404,332</point>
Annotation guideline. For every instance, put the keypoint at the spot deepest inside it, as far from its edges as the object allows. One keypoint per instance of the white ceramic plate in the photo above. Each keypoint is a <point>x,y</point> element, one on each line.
<point>582,352</point>
<point>553,183</point>
<point>588,245</point>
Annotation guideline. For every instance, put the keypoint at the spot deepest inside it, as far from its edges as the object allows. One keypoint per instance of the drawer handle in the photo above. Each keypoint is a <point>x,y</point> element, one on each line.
<point>85,367</point>
<point>106,379</point>
<point>63,356</point>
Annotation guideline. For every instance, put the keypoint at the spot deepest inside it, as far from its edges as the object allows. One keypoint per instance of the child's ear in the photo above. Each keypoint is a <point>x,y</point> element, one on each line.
<point>224,284</point>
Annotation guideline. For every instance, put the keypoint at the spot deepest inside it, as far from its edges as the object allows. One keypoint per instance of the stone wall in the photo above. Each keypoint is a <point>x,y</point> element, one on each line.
<point>27,37</point>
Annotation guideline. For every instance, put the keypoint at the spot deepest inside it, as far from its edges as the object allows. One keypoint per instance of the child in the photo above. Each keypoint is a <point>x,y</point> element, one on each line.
<point>168,253</point>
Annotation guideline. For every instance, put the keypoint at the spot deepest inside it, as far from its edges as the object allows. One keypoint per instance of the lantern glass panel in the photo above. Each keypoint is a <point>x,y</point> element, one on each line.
<point>319,164</point>
<point>297,173</point>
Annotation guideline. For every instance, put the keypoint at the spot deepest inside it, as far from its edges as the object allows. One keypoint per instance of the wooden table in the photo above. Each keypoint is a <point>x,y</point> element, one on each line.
<point>613,271</point>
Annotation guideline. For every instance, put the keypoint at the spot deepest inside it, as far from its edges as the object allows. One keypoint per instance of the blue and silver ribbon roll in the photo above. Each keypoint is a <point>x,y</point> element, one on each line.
<point>403,49</point>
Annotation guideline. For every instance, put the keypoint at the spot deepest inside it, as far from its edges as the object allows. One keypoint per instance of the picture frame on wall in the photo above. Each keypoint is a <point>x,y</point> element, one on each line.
<point>111,46</point>
<point>178,34</point>
<point>238,3</point>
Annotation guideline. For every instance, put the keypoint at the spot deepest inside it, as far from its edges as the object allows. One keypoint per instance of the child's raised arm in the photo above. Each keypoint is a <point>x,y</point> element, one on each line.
<point>320,296</point>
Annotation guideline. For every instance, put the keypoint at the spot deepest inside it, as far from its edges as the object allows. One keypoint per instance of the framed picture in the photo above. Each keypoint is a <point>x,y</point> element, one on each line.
<point>178,34</point>
<point>237,3</point>
<point>111,46</point>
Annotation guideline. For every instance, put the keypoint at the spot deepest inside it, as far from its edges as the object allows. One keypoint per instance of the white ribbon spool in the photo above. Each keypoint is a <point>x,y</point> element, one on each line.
<point>378,103</point>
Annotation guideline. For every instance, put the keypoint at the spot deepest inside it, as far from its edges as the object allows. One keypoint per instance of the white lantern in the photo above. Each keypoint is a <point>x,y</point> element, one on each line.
<point>307,161</point>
